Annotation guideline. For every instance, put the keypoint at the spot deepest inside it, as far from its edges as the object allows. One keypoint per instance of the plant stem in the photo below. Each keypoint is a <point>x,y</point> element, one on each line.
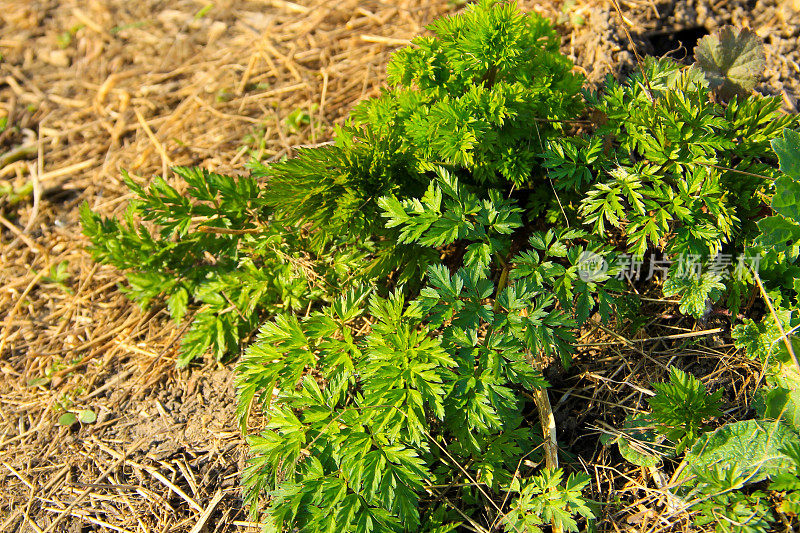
<point>501,284</point>
<point>228,231</point>
<point>548,422</point>
<point>490,76</point>
<point>540,397</point>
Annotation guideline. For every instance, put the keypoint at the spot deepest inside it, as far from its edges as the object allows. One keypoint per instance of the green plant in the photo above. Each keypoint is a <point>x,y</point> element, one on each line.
<point>681,407</point>
<point>672,171</point>
<point>422,396</point>
<point>787,483</point>
<point>429,393</point>
<point>300,118</point>
<point>203,11</point>
<point>779,238</point>
<point>731,60</point>
<point>723,462</point>
<point>727,509</point>
<point>750,451</point>
<point>11,196</point>
<point>415,278</point>
<point>58,276</point>
<point>478,97</point>
<point>214,249</point>
<point>84,416</point>
<point>679,161</point>
<point>542,500</point>
<point>638,442</point>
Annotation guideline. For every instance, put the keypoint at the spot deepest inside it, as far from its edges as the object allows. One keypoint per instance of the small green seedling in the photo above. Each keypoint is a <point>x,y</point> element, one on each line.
<point>84,416</point>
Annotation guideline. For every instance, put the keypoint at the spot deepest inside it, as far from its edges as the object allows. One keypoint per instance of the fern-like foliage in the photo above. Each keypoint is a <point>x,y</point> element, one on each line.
<point>334,187</point>
<point>680,170</point>
<point>681,407</point>
<point>479,96</point>
<point>542,500</point>
<point>214,249</point>
<point>671,170</point>
<point>350,460</point>
<point>729,510</point>
<point>481,92</point>
<point>430,390</point>
<point>697,289</point>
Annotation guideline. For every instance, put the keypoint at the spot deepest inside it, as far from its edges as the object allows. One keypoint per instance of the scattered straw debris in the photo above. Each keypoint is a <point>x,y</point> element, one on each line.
<point>90,87</point>
<point>100,86</point>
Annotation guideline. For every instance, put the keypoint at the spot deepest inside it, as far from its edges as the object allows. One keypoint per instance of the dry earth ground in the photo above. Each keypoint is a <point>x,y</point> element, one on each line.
<point>88,87</point>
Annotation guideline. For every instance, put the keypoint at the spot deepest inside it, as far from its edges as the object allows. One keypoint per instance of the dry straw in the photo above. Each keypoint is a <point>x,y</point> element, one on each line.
<point>93,86</point>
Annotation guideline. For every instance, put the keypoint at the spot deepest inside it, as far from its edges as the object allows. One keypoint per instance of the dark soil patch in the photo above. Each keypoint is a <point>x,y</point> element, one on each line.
<point>596,39</point>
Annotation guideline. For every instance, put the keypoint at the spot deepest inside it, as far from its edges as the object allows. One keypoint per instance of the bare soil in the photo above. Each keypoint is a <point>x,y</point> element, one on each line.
<point>92,87</point>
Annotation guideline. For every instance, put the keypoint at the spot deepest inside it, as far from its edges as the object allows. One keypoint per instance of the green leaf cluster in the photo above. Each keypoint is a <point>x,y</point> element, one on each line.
<point>681,406</point>
<point>725,508</point>
<point>413,279</point>
<point>404,414</point>
<point>213,250</point>
<point>723,462</point>
<point>479,96</point>
<point>669,169</point>
<point>542,500</point>
<point>779,238</point>
<point>441,378</point>
<point>680,172</point>
<point>483,93</point>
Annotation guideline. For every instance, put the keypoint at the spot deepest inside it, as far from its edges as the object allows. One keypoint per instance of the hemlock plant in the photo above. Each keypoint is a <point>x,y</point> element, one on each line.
<point>413,279</point>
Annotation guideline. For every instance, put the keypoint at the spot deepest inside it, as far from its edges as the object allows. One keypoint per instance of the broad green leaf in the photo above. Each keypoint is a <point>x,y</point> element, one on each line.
<point>779,403</point>
<point>731,59</point>
<point>67,419</point>
<point>753,445</point>
<point>87,416</point>
<point>778,232</point>
<point>786,201</point>
<point>637,441</point>
<point>788,150</point>
<point>781,399</point>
